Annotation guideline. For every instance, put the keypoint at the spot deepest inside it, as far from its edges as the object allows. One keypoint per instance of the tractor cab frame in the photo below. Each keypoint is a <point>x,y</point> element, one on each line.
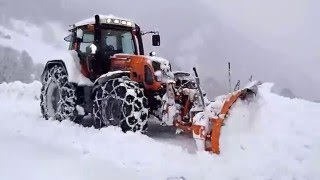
<point>97,41</point>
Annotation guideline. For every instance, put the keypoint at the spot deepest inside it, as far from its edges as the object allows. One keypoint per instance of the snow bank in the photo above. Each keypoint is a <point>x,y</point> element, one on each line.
<point>17,90</point>
<point>270,138</point>
<point>274,137</point>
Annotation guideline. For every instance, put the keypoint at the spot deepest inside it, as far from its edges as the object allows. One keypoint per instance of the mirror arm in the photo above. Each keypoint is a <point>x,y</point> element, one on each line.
<point>150,32</point>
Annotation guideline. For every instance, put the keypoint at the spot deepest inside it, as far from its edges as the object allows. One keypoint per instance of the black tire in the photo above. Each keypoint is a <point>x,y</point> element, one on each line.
<point>120,102</point>
<point>58,96</point>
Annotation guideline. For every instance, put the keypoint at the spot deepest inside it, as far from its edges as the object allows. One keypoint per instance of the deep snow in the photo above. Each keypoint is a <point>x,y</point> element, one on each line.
<point>271,138</point>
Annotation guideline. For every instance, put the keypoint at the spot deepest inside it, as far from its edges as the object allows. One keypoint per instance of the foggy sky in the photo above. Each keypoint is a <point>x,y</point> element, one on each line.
<point>272,40</point>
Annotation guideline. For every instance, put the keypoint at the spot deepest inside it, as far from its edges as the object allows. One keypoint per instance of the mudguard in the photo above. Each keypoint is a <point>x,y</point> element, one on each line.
<point>50,64</point>
<point>110,75</point>
<point>71,62</point>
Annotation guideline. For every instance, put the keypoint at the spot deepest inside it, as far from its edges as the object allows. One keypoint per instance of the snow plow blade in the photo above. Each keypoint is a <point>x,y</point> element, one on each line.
<point>206,124</point>
<point>247,93</point>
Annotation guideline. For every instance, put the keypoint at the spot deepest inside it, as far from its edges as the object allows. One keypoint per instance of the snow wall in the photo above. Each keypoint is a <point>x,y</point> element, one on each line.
<point>270,138</point>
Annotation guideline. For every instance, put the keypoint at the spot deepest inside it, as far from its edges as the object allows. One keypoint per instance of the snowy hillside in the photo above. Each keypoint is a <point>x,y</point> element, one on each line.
<point>31,38</point>
<point>271,138</point>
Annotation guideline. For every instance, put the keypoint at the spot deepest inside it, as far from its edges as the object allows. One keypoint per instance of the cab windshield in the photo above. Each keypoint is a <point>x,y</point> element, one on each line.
<point>116,41</point>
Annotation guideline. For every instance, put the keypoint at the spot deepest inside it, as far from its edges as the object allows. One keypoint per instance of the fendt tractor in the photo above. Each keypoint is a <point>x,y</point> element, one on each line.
<point>107,77</point>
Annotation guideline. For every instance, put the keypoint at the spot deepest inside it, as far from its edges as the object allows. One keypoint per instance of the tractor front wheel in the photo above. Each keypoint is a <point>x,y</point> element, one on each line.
<point>120,102</point>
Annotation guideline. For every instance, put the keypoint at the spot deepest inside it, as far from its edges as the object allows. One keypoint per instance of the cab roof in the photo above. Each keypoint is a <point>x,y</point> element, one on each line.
<point>105,19</point>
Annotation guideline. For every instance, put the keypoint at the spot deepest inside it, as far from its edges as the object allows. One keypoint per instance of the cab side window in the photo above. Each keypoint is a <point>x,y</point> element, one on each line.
<point>87,40</point>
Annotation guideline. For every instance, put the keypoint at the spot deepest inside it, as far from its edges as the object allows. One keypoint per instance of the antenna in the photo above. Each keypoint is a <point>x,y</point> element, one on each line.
<point>250,78</point>
<point>229,74</point>
<point>237,86</point>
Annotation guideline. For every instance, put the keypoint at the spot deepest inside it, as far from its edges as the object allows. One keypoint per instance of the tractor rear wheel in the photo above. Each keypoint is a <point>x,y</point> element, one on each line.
<point>58,96</point>
<point>120,102</point>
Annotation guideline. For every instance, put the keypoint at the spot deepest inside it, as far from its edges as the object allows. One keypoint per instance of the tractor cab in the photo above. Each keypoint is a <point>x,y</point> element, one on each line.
<point>98,39</point>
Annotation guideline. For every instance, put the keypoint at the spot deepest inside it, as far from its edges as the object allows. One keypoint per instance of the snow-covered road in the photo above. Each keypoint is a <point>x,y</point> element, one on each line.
<point>271,138</point>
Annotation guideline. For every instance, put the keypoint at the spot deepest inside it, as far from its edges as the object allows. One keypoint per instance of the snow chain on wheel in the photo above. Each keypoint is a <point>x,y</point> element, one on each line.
<point>120,102</point>
<point>58,96</point>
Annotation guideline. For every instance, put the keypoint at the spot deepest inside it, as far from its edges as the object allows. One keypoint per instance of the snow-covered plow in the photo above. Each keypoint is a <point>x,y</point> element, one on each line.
<point>204,118</point>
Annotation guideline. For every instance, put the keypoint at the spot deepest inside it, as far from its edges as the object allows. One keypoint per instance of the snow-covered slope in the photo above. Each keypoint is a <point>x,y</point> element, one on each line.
<point>31,38</point>
<point>271,138</point>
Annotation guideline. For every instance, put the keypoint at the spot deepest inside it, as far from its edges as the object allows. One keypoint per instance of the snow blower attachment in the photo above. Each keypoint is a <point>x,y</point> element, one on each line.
<point>205,118</point>
<point>108,79</point>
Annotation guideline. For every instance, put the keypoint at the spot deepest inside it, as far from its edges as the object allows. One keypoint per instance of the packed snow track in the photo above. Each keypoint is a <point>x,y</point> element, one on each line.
<point>271,138</point>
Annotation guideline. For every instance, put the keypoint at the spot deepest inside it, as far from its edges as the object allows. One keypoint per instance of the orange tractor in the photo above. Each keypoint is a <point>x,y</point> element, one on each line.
<point>107,77</point>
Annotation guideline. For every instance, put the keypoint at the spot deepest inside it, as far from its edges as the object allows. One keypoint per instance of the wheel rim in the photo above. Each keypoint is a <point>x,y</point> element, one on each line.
<point>53,99</point>
<point>112,110</point>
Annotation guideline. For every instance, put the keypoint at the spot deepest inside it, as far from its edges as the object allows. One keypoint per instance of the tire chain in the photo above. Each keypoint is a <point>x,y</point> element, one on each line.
<point>133,124</point>
<point>67,102</point>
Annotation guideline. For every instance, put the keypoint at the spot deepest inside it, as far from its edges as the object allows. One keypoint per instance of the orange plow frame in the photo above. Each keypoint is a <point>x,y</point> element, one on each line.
<point>217,123</point>
<point>213,136</point>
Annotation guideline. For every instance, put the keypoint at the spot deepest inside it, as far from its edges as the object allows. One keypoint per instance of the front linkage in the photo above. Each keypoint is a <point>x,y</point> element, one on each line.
<point>201,117</point>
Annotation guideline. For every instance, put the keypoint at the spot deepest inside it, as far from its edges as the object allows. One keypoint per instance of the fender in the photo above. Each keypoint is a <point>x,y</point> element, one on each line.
<point>50,64</point>
<point>71,63</point>
<point>110,75</point>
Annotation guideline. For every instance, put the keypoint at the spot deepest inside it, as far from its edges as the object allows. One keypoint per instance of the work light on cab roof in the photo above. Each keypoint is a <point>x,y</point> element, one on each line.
<point>106,19</point>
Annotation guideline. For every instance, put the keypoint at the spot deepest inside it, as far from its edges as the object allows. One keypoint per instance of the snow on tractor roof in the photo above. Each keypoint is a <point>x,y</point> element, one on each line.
<point>106,19</point>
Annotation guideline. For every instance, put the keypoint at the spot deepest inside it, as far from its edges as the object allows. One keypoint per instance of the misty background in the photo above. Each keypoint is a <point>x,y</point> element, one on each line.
<point>272,40</point>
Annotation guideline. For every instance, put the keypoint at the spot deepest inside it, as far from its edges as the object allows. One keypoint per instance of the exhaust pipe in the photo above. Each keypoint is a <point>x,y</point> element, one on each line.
<point>97,31</point>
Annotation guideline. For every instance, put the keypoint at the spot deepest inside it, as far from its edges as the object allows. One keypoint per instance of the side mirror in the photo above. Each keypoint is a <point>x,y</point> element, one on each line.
<point>79,34</point>
<point>68,38</point>
<point>156,40</point>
